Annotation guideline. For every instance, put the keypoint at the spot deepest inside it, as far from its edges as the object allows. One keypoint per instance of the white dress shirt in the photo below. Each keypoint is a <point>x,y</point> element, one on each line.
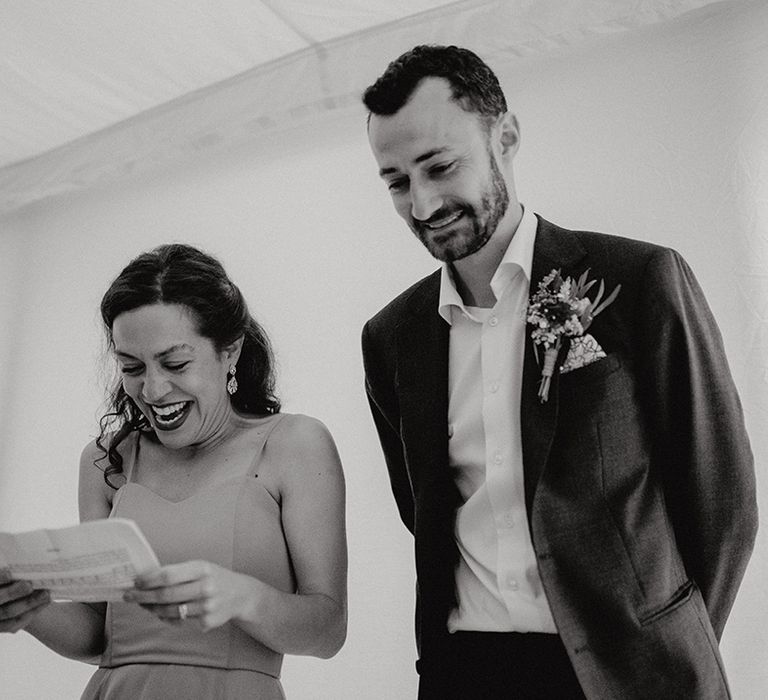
<point>497,579</point>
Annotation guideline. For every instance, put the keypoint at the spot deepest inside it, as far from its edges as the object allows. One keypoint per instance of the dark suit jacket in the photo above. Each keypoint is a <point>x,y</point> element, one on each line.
<point>639,479</point>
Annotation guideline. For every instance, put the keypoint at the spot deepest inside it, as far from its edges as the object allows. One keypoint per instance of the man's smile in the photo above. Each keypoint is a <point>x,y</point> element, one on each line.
<point>442,223</point>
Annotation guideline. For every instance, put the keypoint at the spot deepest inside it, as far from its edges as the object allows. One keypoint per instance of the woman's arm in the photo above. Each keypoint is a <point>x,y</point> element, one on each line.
<point>75,630</point>
<point>313,620</point>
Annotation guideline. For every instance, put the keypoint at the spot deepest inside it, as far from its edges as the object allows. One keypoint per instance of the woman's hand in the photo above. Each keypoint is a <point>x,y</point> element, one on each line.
<point>200,591</point>
<point>19,603</point>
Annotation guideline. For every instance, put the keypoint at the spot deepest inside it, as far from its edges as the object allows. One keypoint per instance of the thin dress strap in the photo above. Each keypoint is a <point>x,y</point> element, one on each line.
<point>267,430</point>
<point>133,456</point>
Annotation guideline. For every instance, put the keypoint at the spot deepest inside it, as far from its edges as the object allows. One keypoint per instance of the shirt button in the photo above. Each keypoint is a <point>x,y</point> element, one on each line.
<point>497,459</point>
<point>512,584</point>
<point>494,321</point>
<point>494,387</point>
<point>509,520</point>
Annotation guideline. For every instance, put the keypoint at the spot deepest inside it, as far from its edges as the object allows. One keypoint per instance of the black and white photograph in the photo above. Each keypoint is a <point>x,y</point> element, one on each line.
<point>362,350</point>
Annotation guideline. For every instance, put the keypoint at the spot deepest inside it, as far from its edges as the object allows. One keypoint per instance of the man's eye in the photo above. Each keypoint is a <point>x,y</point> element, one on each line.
<point>131,369</point>
<point>441,168</point>
<point>396,185</point>
<point>176,366</point>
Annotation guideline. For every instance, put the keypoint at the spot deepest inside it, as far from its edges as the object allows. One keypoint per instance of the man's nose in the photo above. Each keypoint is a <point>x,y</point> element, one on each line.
<point>425,201</point>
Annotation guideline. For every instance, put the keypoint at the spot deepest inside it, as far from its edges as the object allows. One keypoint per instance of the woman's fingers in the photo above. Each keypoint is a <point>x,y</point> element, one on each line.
<point>195,590</point>
<point>166,595</point>
<point>178,613</point>
<point>23,603</point>
<point>173,593</point>
<point>173,575</point>
<point>14,590</point>
<point>18,623</point>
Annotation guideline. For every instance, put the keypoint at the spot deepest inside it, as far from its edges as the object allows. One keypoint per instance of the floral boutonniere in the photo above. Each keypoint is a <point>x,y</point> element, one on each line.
<point>560,307</point>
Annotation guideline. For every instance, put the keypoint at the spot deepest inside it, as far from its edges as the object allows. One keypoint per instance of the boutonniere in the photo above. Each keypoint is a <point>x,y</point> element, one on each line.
<point>560,308</point>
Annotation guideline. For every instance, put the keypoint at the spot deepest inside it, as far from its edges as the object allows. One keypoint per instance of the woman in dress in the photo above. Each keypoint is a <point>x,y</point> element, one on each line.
<point>243,505</point>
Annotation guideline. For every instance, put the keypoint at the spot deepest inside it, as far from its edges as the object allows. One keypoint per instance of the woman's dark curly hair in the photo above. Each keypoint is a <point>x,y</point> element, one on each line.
<point>181,274</point>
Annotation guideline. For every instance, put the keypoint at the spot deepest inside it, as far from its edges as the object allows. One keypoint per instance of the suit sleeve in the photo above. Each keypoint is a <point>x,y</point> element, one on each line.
<point>378,361</point>
<point>699,434</point>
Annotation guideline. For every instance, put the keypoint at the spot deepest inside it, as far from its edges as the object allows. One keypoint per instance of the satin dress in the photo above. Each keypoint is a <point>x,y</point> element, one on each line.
<point>235,524</point>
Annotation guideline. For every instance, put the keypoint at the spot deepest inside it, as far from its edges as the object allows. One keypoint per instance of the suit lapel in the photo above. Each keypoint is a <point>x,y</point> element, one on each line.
<point>422,366</point>
<point>554,248</point>
<point>423,379</point>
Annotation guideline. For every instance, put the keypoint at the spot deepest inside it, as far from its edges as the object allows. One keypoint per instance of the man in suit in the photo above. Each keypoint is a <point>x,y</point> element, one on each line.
<point>589,542</point>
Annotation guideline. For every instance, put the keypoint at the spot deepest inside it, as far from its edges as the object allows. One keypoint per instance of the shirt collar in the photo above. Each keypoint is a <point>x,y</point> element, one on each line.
<point>517,257</point>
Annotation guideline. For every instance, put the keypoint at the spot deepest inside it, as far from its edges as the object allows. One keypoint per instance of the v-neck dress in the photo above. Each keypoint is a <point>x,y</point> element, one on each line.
<point>235,524</point>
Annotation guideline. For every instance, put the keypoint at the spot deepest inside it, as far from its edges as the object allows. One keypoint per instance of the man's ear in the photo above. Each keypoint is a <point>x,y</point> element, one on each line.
<point>509,134</point>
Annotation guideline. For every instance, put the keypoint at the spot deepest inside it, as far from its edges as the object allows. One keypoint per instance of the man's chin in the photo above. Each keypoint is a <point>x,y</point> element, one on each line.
<point>441,252</point>
<point>451,250</point>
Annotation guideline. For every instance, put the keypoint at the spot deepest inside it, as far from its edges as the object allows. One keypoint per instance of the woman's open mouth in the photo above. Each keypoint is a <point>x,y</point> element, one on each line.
<point>170,416</point>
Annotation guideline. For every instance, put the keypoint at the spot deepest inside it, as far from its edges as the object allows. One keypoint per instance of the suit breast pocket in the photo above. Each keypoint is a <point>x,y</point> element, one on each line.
<point>601,428</point>
<point>596,388</point>
<point>592,372</point>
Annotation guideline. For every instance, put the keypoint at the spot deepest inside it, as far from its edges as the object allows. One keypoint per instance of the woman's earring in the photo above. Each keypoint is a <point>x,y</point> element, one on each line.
<point>232,383</point>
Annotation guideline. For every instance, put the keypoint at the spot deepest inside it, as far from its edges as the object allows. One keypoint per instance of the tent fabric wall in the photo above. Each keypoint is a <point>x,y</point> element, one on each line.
<point>78,66</point>
<point>659,133</point>
<point>139,117</point>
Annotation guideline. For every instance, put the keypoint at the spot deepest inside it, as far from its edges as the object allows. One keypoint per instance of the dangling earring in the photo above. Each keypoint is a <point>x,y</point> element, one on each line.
<point>232,383</point>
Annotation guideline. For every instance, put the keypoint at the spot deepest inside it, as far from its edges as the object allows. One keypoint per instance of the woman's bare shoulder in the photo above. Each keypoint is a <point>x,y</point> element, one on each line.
<point>306,463</point>
<point>299,442</point>
<point>298,432</point>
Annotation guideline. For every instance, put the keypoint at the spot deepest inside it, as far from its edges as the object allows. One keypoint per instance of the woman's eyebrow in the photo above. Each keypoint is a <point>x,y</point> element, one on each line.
<point>158,355</point>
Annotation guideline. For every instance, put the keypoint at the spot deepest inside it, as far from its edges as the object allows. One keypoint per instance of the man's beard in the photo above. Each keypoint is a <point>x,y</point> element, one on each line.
<point>493,206</point>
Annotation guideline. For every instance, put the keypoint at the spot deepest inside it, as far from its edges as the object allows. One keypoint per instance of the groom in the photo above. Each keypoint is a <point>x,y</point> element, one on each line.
<point>587,541</point>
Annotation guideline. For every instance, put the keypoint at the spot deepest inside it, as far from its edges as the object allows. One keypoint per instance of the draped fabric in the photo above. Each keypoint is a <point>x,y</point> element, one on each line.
<point>92,91</point>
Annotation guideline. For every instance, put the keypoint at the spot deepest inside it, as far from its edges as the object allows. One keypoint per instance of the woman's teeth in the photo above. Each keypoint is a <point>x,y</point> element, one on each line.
<point>169,412</point>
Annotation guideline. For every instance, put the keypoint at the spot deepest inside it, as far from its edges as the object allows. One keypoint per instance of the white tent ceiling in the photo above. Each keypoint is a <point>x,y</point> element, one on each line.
<point>91,89</point>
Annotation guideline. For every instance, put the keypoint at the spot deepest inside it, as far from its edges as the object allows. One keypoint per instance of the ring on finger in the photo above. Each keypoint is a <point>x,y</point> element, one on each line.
<point>183,611</point>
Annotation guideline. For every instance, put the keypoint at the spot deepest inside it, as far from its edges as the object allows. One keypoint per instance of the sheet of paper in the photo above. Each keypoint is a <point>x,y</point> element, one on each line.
<point>94,561</point>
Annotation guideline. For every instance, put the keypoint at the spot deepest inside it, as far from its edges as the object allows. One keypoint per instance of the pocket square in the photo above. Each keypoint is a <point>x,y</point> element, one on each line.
<point>584,351</point>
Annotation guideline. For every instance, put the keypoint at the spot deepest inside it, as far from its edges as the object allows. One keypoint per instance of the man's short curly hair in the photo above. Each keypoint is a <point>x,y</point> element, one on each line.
<point>474,85</point>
